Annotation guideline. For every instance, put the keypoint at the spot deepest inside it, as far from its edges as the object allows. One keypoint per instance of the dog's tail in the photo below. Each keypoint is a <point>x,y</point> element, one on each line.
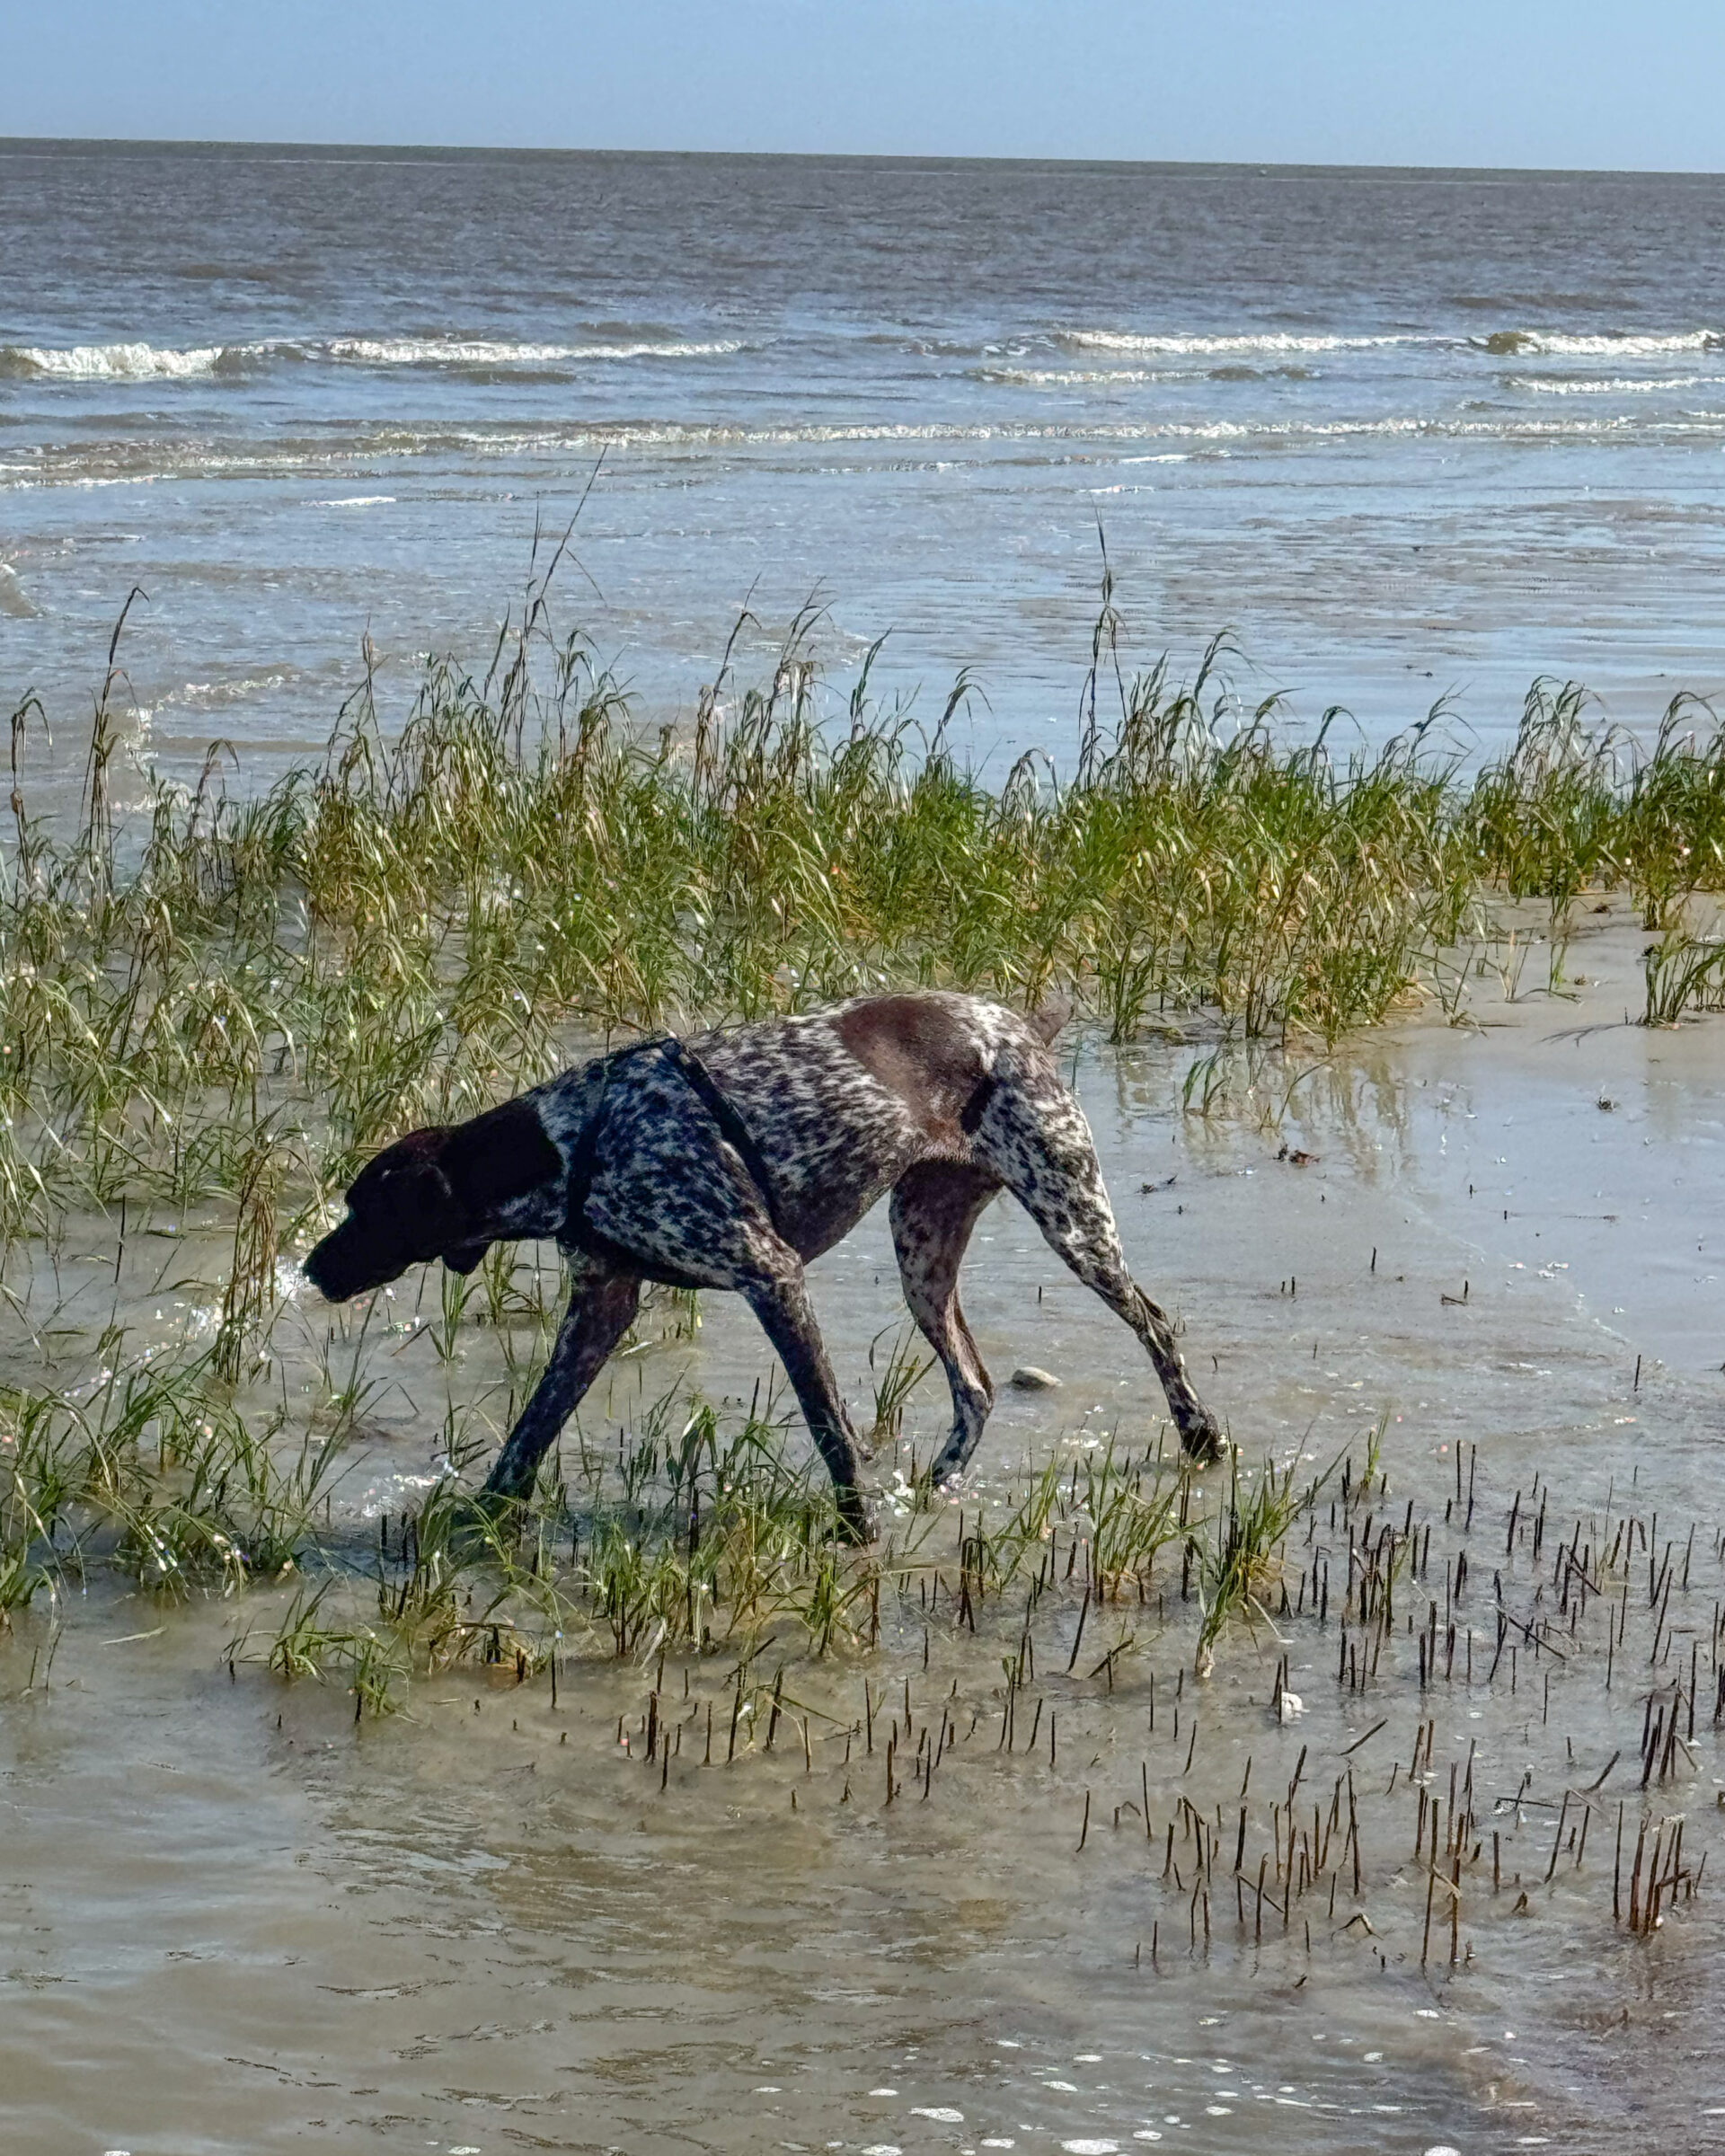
<point>1048,1016</point>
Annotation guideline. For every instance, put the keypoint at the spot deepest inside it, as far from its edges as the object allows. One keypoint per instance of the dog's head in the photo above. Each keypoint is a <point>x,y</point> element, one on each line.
<point>448,1192</point>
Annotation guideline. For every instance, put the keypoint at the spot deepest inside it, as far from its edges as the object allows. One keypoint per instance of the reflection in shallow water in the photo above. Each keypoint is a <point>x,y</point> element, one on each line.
<point>234,1921</point>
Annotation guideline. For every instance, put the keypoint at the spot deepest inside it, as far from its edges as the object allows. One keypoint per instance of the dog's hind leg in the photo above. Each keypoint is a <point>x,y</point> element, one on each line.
<point>601,1309</point>
<point>934,1208</point>
<point>1029,1131</point>
<point>780,1300</point>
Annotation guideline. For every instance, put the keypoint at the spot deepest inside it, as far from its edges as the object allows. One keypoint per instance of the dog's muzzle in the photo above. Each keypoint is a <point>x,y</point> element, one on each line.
<point>347,1262</point>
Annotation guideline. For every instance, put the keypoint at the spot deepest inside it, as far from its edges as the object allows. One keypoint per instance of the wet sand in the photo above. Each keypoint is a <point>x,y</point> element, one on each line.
<point>233,1920</point>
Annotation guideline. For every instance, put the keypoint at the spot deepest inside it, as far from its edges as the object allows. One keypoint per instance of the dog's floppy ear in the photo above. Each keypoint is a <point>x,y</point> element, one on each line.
<point>465,1257</point>
<point>500,1155</point>
<point>408,1180</point>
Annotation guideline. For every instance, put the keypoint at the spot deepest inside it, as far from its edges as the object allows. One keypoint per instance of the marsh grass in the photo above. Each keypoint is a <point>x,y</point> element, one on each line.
<point>214,1002</point>
<point>691,1537</point>
<point>1685,972</point>
<point>220,997</point>
<point>689,1532</point>
<point>1239,1552</point>
<point>896,1376</point>
<point>156,1474</point>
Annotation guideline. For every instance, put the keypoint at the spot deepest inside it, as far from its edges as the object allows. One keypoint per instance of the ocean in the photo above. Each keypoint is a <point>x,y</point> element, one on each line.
<point>1403,435</point>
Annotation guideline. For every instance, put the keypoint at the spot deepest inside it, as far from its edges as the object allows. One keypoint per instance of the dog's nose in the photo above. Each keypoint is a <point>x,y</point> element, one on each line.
<point>317,1268</point>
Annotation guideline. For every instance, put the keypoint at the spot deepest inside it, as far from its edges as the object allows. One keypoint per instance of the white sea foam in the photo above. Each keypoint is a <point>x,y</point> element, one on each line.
<point>1200,345</point>
<point>115,362</point>
<point>1609,346</point>
<point>142,362</point>
<point>1127,377</point>
<point>1612,386</point>
<point>1207,347</point>
<point>213,695</point>
<point>1062,377</point>
<point>448,351</point>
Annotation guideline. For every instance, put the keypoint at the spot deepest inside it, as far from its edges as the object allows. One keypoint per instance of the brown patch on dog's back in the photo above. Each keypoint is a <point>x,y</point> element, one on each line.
<point>922,1052</point>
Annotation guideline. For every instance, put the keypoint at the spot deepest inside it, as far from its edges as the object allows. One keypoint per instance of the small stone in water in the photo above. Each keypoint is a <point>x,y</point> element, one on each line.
<point>943,2113</point>
<point>1028,1378</point>
<point>1287,1705</point>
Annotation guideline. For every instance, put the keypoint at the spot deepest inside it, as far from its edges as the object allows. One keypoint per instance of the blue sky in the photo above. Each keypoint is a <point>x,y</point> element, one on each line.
<point>1564,82</point>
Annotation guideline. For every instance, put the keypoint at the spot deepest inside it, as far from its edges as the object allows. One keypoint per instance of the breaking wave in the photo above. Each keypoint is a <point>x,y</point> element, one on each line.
<point>141,362</point>
<point>1512,343</point>
<point>1077,377</point>
<point>1499,343</point>
<point>1207,347</point>
<point>117,362</point>
<point>1557,386</point>
<point>450,351</point>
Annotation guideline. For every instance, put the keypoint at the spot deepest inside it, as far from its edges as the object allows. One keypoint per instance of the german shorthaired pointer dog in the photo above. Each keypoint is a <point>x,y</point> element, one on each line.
<point>731,1167</point>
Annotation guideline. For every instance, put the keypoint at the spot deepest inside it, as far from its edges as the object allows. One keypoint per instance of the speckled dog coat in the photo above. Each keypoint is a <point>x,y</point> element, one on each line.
<point>731,1161</point>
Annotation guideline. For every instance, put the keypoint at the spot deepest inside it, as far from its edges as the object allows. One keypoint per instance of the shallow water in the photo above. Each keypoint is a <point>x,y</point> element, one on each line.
<point>233,1920</point>
<point>1404,433</point>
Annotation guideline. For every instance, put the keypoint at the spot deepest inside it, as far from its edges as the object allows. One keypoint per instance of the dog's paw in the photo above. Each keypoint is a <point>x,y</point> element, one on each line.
<point>946,1475</point>
<point>480,1525</point>
<point>857,1523</point>
<point>1205,1441</point>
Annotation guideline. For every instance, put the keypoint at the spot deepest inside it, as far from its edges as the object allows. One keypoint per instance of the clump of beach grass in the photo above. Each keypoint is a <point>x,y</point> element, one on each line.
<point>153,1472</point>
<point>1239,1555</point>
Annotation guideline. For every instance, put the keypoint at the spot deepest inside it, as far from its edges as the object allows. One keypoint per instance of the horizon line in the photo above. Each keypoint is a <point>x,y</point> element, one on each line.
<point>16,146</point>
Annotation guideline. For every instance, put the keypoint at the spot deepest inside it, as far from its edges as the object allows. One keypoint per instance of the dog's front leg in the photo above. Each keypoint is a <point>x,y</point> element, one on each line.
<point>600,1311</point>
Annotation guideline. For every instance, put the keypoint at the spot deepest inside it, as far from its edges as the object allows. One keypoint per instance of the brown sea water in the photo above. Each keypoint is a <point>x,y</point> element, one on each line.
<point>234,1918</point>
<point>1407,433</point>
